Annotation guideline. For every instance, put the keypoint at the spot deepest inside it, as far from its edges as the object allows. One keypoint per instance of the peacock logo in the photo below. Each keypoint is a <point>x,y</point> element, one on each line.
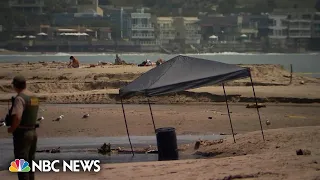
<point>19,165</point>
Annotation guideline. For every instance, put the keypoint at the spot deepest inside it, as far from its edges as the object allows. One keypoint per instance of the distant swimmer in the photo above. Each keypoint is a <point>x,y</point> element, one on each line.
<point>74,63</point>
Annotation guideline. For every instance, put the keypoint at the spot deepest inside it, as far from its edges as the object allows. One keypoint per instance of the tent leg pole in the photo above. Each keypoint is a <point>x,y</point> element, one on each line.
<point>154,126</point>
<point>225,96</point>
<point>255,98</point>
<point>125,121</point>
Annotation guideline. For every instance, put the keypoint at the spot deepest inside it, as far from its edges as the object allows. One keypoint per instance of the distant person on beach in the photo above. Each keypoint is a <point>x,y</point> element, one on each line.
<point>147,62</point>
<point>159,61</point>
<point>118,61</point>
<point>74,63</point>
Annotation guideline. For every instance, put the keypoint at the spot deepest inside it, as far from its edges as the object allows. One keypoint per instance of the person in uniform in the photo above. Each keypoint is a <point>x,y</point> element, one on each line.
<point>23,128</point>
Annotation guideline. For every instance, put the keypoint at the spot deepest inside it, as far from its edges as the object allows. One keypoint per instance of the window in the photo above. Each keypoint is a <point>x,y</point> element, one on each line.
<point>306,16</point>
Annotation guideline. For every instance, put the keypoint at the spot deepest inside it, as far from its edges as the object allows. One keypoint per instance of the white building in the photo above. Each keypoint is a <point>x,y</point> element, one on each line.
<point>192,30</point>
<point>278,27</point>
<point>300,25</point>
<point>316,25</point>
<point>142,29</point>
<point>166,29</point>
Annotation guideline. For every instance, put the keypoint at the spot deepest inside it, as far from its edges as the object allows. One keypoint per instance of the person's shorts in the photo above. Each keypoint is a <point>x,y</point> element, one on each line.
<point>75,65</point>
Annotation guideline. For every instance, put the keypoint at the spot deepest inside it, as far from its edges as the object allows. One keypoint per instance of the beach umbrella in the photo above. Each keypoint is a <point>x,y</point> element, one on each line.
<point>20,37</point>
<point>84,34</point>
<point>42,34</point>
<point>243,36</point>
<point>213,37</point>
<point>32,37</point>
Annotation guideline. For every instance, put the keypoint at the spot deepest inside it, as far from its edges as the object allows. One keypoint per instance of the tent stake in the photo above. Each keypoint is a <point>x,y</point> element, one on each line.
<point>225,96</point>
<point>255,98</point>
<point>125,121</point>
<point>154,126</point>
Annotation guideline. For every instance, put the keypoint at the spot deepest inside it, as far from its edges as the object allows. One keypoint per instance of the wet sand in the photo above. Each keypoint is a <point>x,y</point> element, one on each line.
<point>107,120</point>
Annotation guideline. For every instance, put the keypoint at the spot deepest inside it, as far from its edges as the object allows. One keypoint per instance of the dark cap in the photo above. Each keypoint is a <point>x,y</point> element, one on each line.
<point>19,81</point>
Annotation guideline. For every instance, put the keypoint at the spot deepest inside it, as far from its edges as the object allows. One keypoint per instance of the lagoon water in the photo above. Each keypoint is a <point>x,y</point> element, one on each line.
<point>75,148</point>
<point>307,63</point>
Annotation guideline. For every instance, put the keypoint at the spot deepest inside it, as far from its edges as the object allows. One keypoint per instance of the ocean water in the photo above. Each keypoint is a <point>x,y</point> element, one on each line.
<point>308,63</point>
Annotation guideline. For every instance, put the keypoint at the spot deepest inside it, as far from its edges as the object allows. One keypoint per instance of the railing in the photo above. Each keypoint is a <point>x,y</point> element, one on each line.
<point>278,36</point>
<point>167,37</point>
<point>142,26</point>
<point>166,28</point>
<point>278,27</point>
<point>193,36</point>
<point>193,28</point>
<point>145,36</point>
<point>140,15</point>
<point>299,34</point>
<point>16,3</point>
<point>300,27</point>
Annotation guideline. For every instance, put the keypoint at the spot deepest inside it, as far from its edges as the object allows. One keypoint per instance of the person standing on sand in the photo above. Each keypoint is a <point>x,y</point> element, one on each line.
<point>74,63</point>
<point>23,128</point>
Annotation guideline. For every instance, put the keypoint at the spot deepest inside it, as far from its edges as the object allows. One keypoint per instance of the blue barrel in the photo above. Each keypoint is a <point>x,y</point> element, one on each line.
<point>167,144</point>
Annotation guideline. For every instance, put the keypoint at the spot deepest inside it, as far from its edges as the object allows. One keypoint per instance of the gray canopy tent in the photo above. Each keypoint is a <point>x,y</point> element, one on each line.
<point>182,73</point>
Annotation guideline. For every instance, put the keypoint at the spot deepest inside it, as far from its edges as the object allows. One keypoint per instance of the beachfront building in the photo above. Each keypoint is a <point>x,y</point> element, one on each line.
<point>166,30</point>
<point>185,30</point>
<point>120,20</point>
<point>248,27</point>
<point>27,6</point>
<point>192,30</point>
<point>299,25</point>
<point>142,29</point>
<point>226,28</point>
<point>316,25</point>
<point>315,32</point>
<point>278,26</point>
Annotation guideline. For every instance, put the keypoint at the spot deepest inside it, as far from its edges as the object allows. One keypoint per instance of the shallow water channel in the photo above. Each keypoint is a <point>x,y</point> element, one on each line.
<point>77,148</point>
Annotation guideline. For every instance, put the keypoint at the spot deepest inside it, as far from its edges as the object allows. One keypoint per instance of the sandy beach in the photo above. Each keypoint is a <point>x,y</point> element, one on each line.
<point>55,83</point>
<point>292,109</point>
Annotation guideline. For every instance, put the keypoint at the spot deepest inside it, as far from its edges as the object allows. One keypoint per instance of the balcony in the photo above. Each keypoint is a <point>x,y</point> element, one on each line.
<point>193,28</point>
<point>277,27</point>
<point>142,27</point>
<point>193,36</point>
<point>14,3</point>
<point>277,36</point>
<point>167,28</point>
<point>299,20</point>
<point>300,35</point>
<point>297,27</point>
<point>140,15</point>
<point>168,37</point>
<point>142,36</point>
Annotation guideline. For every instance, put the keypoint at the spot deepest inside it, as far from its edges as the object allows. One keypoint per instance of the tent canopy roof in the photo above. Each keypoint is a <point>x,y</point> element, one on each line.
<point>181,73</point>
